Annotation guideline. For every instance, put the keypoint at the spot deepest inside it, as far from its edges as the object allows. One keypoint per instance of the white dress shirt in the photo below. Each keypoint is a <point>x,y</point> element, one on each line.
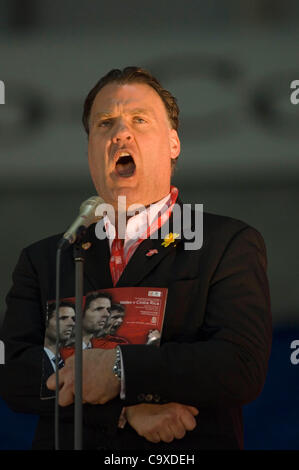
<point>137,224</point>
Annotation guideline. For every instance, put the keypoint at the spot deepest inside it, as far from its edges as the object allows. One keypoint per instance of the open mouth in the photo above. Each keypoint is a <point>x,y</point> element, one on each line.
<point>125,166</point>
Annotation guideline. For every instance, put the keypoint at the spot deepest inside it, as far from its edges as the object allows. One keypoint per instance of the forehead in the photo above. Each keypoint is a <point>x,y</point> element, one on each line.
<point>63,311</point>
<point>66,311</point>
<point>114,96</point>
<point>100,302</point>
<point>116,314</point>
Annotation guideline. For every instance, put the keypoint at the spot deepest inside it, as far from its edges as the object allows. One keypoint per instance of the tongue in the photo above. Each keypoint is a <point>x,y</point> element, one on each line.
<point>125,169</point>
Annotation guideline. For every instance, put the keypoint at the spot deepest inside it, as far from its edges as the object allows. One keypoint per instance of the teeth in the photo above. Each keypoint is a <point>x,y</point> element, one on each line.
<point>124,154</point>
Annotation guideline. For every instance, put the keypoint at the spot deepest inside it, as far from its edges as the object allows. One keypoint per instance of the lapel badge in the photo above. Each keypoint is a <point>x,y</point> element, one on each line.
<point>86,245</point>
<point>170,238</point>
<point>151,252</point>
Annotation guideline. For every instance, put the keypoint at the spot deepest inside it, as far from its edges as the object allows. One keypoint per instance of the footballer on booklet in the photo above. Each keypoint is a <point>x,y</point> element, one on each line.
<point>111,317</point>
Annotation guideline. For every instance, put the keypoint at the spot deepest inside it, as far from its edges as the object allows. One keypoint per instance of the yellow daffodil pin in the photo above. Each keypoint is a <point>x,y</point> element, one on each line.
<point>170,238</point>
<point>86,245</point>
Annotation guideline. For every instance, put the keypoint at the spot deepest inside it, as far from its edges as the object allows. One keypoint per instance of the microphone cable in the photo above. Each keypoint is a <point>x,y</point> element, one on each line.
<point>56,413</point>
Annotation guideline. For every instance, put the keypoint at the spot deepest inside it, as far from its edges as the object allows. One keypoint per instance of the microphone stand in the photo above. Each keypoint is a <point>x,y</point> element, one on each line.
<point>78,254</point>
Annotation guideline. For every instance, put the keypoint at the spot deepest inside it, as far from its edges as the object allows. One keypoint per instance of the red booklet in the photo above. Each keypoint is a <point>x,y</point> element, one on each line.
<point>124,315</point>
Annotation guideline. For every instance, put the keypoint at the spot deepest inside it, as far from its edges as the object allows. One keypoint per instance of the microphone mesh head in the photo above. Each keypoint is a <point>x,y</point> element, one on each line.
<point>92,201</point>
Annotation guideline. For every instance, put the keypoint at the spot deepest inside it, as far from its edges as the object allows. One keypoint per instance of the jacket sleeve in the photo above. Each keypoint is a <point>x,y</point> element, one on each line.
<point>23,335</point>
<point>228,367</point>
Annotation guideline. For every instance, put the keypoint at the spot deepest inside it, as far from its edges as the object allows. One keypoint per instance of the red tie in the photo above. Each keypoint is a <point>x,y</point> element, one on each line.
<point>117,262</point>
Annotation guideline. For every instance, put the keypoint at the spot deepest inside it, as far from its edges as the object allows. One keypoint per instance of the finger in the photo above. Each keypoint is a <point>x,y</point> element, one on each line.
<point>188,420</point>
<point>178,430</point>
<point>166,434</point>
<point>152,437</point>
<point>192,410</point>
<point>66,396</point>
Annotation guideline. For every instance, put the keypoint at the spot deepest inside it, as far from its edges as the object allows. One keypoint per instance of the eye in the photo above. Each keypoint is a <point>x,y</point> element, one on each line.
<point>105,123</point>
<point>139,119</point>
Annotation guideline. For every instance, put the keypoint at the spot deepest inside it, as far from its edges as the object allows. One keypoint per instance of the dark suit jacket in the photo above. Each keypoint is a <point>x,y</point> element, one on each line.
<point>214,348</point>
<point>47,370</point>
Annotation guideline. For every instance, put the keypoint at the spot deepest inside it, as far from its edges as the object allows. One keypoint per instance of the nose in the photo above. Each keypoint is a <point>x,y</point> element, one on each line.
<point>122,133</point>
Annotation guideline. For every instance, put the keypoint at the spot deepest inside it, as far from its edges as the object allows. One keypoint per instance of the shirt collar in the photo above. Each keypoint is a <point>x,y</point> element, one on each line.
<point>51,355</point>
<point>137,222</point>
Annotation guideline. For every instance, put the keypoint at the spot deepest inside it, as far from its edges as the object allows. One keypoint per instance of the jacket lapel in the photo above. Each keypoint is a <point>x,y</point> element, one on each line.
<point>97,256</point>
<point>140,265</point>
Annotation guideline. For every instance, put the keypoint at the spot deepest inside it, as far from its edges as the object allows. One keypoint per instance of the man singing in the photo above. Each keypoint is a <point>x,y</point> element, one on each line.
<point>187,393</point>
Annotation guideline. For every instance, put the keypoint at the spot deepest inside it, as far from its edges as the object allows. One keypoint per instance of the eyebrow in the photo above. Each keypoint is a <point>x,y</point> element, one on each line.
<point>147,111</point>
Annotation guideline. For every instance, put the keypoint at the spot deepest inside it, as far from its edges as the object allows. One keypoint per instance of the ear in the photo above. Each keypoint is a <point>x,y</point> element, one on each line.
<point>175,144</point>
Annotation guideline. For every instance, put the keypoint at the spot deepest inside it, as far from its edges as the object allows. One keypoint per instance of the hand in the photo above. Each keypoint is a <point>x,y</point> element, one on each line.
<point>99,383</point>
<point>162,422</point>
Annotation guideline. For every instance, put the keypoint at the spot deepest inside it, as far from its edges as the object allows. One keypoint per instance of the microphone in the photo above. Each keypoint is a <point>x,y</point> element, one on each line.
<point>85,218</point>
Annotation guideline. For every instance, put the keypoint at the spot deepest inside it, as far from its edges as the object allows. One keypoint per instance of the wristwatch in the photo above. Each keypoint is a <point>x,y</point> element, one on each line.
<point>117,364</point>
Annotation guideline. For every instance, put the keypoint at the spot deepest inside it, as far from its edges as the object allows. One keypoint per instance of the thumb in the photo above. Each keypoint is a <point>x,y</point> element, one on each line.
<point>51,382</point>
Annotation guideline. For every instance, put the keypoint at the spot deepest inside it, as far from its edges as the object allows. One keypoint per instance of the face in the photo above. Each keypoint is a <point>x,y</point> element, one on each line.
<point>131,119</point>
<point>96,315</point>
<point>66,324</point>
<point>114,321</point>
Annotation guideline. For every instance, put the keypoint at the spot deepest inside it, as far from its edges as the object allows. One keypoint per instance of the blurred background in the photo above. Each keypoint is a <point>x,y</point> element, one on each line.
<point>230,65</point>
